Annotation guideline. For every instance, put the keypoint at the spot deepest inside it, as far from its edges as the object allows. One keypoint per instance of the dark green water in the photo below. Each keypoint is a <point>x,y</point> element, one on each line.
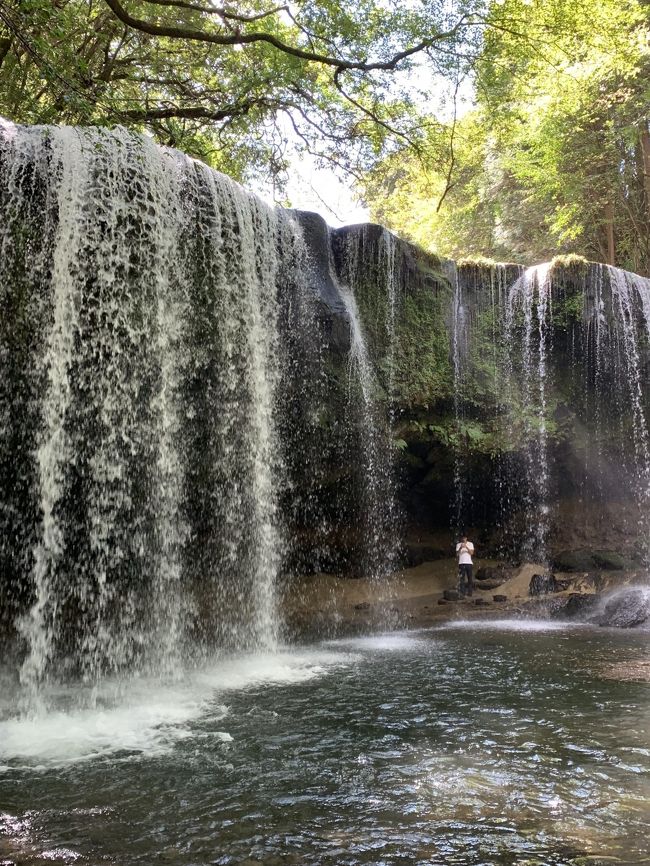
<point>477,745</point>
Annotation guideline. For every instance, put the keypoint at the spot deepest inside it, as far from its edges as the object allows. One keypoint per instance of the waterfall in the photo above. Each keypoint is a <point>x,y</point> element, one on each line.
<point>199,394</point>
<point>369,283</point>
<point>478,364</point>
<point>530,295</point>
<point>623,288</point>
<point>568,343</point>
<point>139,347</point>
<point>627,313</point>
<point>376,545</point>
<point>459,348</point>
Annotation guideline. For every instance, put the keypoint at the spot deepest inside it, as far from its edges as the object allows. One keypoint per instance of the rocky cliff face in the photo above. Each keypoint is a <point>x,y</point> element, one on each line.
<point>516,399</point>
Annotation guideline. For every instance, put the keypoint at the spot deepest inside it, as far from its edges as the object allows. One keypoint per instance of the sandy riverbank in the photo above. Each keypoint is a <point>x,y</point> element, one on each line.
<point>413,597</point>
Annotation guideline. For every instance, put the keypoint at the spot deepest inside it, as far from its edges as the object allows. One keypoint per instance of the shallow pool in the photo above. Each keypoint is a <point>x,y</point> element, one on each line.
<point>475,743</point>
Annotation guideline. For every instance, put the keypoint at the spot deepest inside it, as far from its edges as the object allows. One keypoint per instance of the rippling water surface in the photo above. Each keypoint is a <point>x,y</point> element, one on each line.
<point>472,744</point>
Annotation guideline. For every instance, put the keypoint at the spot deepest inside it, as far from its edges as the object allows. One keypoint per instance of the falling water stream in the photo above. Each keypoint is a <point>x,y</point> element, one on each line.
<point>459,347</point>
<point>378,553</point>
<point>531,296</point>
<point>148,296</point>
<point>628,290</point>
<point>369,275</point>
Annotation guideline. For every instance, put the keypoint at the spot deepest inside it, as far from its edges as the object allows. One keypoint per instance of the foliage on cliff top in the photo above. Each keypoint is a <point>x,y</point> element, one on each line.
<point>232,83</point>
<point>351,82</point>
<point>569,261</point>
<point>555,157</point>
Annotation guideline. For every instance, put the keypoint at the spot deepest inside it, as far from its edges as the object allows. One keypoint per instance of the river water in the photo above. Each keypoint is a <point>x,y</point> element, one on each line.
<point>482,743</point>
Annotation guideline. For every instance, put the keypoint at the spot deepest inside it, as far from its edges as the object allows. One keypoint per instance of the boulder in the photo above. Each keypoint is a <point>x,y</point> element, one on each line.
<point>609,560</point>
<point>573,560</point>
<point>628,608</point>
<point>579,605</point>
<point>542,584</point>
<point>590,560</point>
<point>451,595</point>
<point>562,583</point>
<point>481,601</point>
<point>492,573</point>
<point>489,584</point>
<point>416,554</point>
<point>500,598</point>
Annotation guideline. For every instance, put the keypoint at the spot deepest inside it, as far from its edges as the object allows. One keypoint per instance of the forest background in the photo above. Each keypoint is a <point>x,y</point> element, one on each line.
<point>552,156</point>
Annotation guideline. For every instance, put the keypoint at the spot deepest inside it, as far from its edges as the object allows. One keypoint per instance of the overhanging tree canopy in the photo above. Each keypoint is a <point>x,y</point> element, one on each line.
<point>557,155</point>
<point>556,158</point>
<point>226,82</point>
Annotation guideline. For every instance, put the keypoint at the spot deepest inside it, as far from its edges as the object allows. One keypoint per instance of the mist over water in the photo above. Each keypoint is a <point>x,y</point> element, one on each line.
<point>145,716</point>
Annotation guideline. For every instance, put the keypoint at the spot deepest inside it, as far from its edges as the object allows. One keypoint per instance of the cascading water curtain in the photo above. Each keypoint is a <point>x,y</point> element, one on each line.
<point>369,273</point>
<point>527,327</point>
<point>459,346</point>
<point>139,371</point>
<point>627,309</point>
<point>479,355</point>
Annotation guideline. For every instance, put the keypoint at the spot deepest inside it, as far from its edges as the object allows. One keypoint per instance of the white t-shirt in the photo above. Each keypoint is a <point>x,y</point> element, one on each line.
<point>465,555</point>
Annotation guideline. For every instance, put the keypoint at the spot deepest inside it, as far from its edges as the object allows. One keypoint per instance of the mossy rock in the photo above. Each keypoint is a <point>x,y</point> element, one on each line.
<point>590,560</point>
<point>610,560</point>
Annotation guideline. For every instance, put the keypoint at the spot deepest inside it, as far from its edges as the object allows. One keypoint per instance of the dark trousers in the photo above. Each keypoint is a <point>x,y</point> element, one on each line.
<point>465,579</point>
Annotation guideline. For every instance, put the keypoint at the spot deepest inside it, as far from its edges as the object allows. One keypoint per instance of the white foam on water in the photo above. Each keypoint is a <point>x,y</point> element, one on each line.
<point>282,668</point>
<point>147,718</point>
<point>380,642</point>
<point>152,726</point>
<point>521,625</point>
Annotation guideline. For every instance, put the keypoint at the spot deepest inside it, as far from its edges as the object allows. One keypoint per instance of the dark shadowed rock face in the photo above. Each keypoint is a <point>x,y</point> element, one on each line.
<point>629,608</point>
<point>333,315</point>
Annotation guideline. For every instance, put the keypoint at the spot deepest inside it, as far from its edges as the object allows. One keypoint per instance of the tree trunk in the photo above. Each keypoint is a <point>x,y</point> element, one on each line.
<point>644,139</point>
<point>5,45</point>
<point>609,231</point>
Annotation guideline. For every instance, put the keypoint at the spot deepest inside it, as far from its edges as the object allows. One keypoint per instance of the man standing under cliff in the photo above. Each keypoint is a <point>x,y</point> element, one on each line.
<point>464,552</point>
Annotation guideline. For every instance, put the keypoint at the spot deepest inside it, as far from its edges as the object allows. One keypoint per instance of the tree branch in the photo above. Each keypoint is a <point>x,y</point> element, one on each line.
<point>452,154</point>
<point>198,112</point>
<point>220,11</point>
<point>173,32</point>
<point>318,155</point>
<point>370,114</point>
